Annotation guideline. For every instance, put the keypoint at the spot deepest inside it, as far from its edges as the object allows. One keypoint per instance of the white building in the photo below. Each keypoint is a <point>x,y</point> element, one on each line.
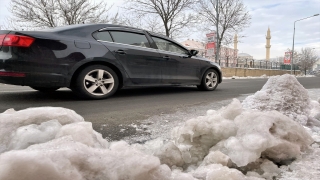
<point>193,44</point>
<point>245,60</point>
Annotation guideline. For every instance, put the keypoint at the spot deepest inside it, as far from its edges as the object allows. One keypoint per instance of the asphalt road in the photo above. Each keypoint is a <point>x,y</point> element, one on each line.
<point>132,104</point>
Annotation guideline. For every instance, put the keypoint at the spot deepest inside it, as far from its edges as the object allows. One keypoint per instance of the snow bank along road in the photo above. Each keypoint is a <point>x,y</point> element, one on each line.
<point>116,117</point>
<point>271,134</point>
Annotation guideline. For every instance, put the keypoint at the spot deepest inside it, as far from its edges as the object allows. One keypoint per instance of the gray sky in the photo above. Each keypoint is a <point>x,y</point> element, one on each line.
<point>279,15</point>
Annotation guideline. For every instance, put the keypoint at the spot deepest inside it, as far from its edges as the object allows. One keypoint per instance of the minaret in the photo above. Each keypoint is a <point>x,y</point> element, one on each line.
<point>268,46</point>
<point>235,42</point>
<point>235,49</point>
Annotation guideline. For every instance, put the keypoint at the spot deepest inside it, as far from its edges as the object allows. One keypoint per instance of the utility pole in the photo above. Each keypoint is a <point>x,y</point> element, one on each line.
<point>217,31</point>
<point>294,31</point>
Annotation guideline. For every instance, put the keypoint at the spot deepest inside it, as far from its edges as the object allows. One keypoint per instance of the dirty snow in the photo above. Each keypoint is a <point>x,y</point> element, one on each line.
<point>250,140</point>
<point>284,94</point>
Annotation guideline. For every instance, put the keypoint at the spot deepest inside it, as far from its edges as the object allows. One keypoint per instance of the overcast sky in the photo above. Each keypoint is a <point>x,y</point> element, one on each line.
<point>279,15</point>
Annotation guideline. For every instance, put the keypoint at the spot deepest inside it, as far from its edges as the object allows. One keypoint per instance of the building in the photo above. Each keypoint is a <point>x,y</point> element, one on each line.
<point>197,45</point>
<point>228,57</point>
<point>245,60</point>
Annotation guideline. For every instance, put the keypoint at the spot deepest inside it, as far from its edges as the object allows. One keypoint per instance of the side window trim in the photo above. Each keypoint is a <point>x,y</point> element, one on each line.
<point>111,36</point>
<point>132,32</point>
<point>100,39</point>
<point>170,52</point>
<point>170,42</point>
<point>155,50</point>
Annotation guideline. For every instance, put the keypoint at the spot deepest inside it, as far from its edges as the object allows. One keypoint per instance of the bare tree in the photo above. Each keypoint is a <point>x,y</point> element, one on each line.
<point>307,59</point>
<point>52,13</point>
<point>175,15</point>
<point>150,22</point>
<point>230,15</point>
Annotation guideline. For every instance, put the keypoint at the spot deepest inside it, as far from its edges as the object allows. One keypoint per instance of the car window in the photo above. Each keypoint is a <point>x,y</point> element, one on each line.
<point>130,38</point>
<point>168,46</point>
<point>104,36</point>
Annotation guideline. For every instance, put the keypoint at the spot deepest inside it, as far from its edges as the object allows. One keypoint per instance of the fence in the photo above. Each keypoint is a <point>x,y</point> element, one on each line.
<point>260,65</point>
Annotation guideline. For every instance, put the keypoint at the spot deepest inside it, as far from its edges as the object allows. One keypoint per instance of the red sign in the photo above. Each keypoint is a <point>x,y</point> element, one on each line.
<point>210,45</point>
<point>287,58</point>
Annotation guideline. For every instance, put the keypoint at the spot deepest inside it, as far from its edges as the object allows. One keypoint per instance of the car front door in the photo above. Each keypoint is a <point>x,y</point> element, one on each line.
<point>142,63</point>
<point>180,68</point>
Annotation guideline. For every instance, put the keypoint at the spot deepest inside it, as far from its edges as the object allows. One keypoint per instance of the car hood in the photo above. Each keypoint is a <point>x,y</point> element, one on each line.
<point>206,60</point>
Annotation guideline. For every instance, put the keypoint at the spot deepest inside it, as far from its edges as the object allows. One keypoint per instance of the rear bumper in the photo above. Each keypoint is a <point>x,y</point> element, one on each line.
<point>33,79</point>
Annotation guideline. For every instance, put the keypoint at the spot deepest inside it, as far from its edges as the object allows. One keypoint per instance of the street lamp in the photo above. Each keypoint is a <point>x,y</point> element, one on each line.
<point>294,30</point>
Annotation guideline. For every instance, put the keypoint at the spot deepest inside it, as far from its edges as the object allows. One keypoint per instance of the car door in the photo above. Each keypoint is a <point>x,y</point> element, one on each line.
<point>180,67</point>
<point>142,63</point>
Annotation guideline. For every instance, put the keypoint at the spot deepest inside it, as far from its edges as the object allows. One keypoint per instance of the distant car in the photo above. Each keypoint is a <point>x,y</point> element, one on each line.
<point>95,60</point>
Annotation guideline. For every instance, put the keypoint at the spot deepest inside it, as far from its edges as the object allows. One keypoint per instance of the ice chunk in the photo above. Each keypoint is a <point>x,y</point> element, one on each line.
<point>170,154</point>
<point>198,135</point>
<point>216,157</point>
<point>84,133</point>
<point>34,134</point>
<point>270,169</point>
<point>179,175</point>
<point>268,134</point>
<point>219,172</point>
<point>25,127</point>
<point>315,109</point>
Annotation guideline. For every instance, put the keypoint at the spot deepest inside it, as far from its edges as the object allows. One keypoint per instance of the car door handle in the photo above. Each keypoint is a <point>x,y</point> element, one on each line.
<point>166,57</point>
<point>121,52</point>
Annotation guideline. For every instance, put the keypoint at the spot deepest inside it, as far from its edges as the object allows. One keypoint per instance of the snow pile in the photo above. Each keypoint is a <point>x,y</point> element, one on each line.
<point>233,142</point>
<point>55,143</point>
<point>247,77</point>
<point>284,94</point>
<point>264,76</point>
<point>236,138</point>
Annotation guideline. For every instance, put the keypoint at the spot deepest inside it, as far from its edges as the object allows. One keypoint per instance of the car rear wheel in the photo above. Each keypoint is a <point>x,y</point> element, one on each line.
<point>209,80</point>
<point>96,82</point>
<point>45,89</point>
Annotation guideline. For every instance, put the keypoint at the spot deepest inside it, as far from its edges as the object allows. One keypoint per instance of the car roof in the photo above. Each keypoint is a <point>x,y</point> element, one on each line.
<point>85,26</point>
<point>94,27</point>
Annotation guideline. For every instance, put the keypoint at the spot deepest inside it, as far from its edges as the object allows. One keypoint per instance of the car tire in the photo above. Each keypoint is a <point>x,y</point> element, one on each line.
<point>96,82</point>
<point>45,89</point>
<point>209,80</point>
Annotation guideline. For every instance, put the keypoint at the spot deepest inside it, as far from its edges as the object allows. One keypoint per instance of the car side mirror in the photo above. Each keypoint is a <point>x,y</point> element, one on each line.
<point>193,52</point>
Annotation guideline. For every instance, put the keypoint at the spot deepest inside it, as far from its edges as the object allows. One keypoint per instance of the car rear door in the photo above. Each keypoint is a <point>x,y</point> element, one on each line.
<point>132,48</point>
<point>180,68</point>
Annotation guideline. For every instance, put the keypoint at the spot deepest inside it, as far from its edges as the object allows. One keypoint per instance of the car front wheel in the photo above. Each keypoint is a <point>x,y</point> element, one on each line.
<point>209,80</point>
<point>96,82</point>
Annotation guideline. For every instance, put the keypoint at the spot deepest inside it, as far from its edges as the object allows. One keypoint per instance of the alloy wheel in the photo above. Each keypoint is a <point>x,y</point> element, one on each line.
<point>98,82</point>
<point>211,80</point>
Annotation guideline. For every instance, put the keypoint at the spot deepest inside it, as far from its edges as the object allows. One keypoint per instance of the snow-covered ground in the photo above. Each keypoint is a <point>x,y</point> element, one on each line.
<point>263,76</point>
<point>272,134</point>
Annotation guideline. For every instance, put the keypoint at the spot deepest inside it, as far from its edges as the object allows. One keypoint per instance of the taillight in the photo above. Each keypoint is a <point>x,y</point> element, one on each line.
<point>12,74</point>
<point>15,40</point>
